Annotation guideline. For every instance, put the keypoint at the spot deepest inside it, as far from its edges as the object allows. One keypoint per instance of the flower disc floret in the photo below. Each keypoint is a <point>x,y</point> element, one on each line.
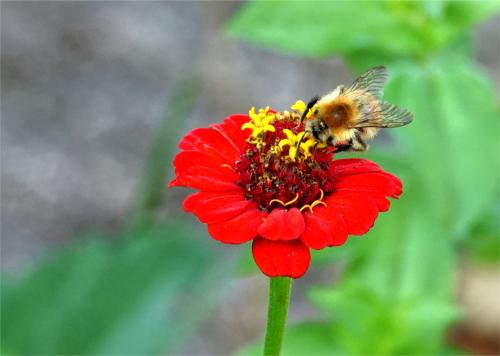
<point>280,173</point>
<point>260,123</point>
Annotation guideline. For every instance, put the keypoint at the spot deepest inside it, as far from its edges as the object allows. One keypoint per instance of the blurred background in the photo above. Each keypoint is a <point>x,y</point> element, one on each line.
<point>97,255</point>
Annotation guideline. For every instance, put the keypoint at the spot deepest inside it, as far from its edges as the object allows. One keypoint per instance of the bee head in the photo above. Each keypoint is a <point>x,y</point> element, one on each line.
<point>318,127</point>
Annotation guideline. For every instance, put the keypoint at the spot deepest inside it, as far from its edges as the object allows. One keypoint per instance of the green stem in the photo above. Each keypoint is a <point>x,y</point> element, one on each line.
<point>279,298</point>
<point>154,180</point>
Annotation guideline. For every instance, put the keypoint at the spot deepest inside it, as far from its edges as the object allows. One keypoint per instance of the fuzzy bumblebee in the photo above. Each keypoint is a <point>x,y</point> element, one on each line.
<point>348,117</point>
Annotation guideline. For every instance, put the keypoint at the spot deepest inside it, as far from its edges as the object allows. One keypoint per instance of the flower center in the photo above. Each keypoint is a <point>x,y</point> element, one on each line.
<point>280,166</point>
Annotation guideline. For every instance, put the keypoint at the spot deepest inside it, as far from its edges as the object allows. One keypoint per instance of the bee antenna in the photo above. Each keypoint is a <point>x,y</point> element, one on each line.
<point>301,139</point>
<point>310,104</point>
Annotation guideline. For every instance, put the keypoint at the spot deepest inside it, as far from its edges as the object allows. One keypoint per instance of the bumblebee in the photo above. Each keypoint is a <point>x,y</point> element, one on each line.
<point>348,117</point>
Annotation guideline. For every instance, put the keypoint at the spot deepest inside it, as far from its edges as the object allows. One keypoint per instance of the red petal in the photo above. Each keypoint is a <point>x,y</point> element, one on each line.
<point>353,166</point>
<point>381,202</point>
<point>397,183</point>
<point>210,142</point>
<point>231,130</point>
<point>216,207</point>
<point>239,229</point>
<point>283,225</point>
<point>199,157</point>
<point>373,185</point>
<point>199,171</point>
<point>324,227</point>
<point>358,212</point>
<point>378,182</point>
<point>281,258</point>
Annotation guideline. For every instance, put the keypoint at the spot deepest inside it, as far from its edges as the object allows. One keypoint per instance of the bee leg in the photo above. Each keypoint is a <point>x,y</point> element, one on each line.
<point>310,104</point>
<point>359,144</point>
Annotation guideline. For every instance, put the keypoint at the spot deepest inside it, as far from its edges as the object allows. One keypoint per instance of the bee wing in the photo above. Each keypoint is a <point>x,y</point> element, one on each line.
<point>372,81</point>
<point>388,116</point>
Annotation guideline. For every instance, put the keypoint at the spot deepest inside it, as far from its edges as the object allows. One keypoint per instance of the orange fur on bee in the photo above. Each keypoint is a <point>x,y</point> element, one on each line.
<point>339,113</point>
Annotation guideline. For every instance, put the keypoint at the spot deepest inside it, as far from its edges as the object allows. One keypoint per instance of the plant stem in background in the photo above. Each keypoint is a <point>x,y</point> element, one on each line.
<point>279,299</point>
<point>153,181</point>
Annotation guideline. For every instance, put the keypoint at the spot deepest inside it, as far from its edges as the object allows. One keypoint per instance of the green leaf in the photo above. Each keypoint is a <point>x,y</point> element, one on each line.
<point>320,28</point>
<point>452,141</point>
<point>365,323</point>
<point>360,30</point>
<point>482,244</point>
<point>464,14</point>
<point>143,295</point>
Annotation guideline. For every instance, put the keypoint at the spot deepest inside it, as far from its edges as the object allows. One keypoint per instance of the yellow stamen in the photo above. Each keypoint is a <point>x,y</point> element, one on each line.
<point>315,203</point>
<point>291,141</point>
<point>283,203</point>
<point>307,145</point>
<point>306,207</point>
<point>299,106</point>
<point>310,207</point>
<point>318,202</point>
<point>227,166</point>
<point>321,194</point>
<point>260,123</point>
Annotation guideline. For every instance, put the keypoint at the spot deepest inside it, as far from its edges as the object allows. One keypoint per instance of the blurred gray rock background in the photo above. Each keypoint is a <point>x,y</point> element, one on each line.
<point>86,84</point>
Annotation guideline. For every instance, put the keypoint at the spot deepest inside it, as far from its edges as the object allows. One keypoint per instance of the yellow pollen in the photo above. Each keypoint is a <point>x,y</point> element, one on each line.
<point>283,203</point>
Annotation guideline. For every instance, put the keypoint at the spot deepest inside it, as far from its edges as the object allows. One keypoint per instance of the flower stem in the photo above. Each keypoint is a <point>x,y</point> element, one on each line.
<point>279,298</point>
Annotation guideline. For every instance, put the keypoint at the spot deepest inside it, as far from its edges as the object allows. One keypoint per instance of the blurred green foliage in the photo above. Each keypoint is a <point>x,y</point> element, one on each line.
<point>145,293</point>
<point>396,295</point>
<point>484,247</point>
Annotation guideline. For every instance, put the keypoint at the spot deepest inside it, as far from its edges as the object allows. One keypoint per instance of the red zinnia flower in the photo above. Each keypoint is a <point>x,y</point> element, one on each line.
<point>255,184</point>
